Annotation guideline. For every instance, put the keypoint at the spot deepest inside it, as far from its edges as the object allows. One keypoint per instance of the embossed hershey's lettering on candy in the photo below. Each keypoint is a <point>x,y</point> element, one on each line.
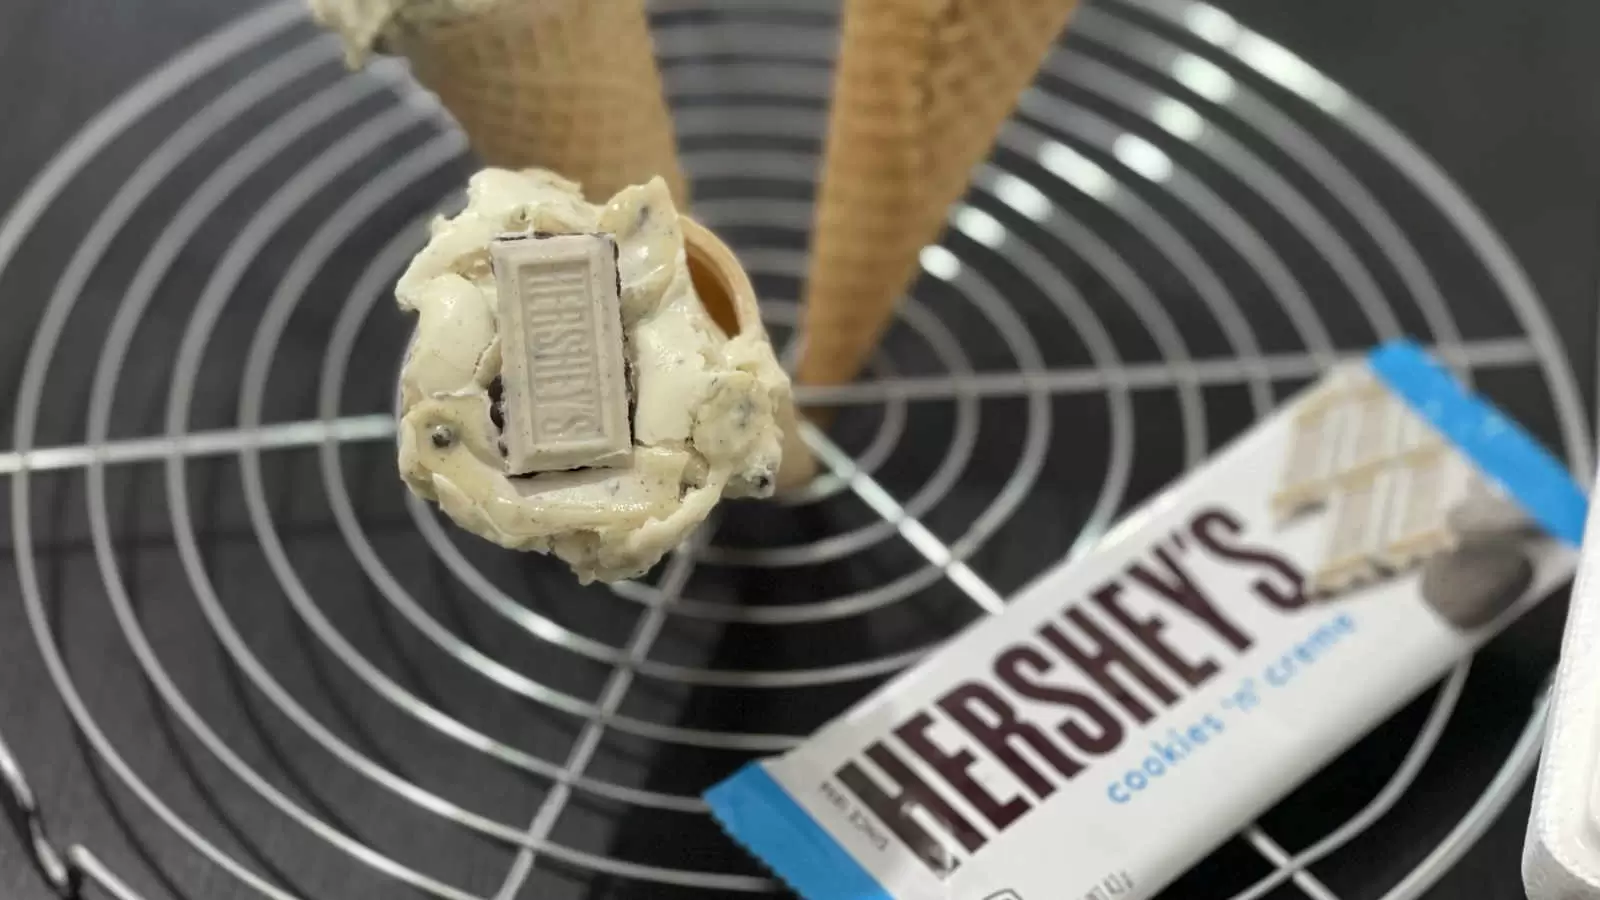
<point>566,390</point>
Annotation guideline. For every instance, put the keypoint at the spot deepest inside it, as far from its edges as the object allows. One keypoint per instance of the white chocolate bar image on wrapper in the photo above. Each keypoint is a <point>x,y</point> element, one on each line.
<point>1087,741</point>
<point>1394,493</point>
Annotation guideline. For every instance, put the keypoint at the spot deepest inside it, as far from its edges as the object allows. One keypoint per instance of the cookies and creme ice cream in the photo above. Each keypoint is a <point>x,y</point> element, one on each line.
<point>567,391</point>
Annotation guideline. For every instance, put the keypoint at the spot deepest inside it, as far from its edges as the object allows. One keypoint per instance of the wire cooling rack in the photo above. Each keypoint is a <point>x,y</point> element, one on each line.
<point>290,679</point>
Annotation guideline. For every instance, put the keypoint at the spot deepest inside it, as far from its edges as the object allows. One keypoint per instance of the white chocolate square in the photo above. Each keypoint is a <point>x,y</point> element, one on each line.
<point>563,367</point>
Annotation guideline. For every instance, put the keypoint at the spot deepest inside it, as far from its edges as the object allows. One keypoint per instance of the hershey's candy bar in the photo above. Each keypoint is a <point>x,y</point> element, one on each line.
<point>1088,740</point>
<point>566,389</point>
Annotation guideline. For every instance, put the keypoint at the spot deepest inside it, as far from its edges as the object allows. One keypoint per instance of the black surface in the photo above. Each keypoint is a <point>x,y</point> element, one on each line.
<point>1505,96</point>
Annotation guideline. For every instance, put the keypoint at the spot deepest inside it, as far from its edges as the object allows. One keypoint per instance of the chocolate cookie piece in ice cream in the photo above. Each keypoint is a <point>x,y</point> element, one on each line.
<point>707,408</point>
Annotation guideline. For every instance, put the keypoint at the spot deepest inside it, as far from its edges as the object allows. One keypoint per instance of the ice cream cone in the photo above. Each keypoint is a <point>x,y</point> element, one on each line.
<point>920,93</point>
<point>727,294</point>
<point>566,85</point>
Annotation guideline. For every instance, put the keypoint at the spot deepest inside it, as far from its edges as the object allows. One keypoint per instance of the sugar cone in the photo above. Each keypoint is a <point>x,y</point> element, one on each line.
<point>566,85</point>
<point>920,93</point>
<point>727,294</point>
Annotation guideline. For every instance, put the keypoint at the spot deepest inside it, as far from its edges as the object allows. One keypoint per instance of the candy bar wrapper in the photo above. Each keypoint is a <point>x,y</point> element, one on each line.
<point>1133,708</point>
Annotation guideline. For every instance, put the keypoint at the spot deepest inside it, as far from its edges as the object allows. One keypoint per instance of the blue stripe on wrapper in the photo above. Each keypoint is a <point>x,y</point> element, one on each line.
<point>1494,443</point>
<point>760,814</point>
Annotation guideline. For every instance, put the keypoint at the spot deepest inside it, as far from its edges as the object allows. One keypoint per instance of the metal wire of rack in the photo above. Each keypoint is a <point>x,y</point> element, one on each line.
<point>1163,156</point>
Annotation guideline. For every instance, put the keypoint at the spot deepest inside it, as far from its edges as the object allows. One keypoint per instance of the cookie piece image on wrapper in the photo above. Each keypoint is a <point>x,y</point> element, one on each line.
<point>1489,569</point>
<point>1473,584</point>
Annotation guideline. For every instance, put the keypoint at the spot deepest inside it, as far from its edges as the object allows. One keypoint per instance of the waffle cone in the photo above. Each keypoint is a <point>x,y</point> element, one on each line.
<point>571,86</point>
<point>727,294</point>
<point>921,91</point>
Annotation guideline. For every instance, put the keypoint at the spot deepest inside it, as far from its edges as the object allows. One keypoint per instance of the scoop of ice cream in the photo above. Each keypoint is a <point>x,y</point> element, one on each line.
<point>362,24</point>
<point>706,406</point>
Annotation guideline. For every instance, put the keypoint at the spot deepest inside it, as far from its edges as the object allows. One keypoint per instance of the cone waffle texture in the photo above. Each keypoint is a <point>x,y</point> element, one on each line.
<point>921,91</point>
<point>730,298</point>
<point>567,85</point>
